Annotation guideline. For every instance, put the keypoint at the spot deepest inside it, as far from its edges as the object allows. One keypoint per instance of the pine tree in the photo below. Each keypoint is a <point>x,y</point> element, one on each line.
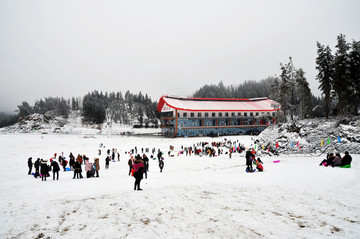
<point>342,76</point>
<point>324,64</point>
<point>24,109</point>
<point>284,85</point>
<point>305,94</point>
<point>355,73</point>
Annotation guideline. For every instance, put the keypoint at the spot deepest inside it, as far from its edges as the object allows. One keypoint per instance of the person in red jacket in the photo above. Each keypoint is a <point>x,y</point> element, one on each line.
<point>259,166</point>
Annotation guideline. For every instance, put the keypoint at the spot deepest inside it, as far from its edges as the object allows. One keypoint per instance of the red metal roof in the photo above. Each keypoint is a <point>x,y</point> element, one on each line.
<point>217,104</point>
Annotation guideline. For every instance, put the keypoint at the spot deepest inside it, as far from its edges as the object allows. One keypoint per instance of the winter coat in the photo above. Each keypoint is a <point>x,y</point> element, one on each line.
<point>249,157</point>
<point>138,169</point>
<point>87,165</point>
<point>44,167</point>
<point>346,160</point>
<point>107,160</point>
<point>260,167</point>
<point>37,165</point>
<point>97,165</point>
<point>130,162</point>
<point>77,166</point>
<point>337,161</point>
<point>55,166</point>
<point>30,163</point>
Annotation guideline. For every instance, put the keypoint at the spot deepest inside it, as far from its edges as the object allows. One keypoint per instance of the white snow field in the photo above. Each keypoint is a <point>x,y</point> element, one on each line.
<point>194,197</point>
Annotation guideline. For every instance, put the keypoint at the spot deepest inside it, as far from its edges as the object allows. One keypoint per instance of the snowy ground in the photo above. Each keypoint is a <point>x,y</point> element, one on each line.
<point>195,197</point>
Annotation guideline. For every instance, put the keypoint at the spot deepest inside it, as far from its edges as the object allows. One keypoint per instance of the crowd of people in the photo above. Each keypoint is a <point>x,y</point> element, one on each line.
<point>139,165</point>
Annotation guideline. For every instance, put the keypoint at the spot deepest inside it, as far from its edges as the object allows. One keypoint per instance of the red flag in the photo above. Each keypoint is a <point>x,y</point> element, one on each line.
<point>277,144</point>
<point>268,149</point>
<point>297,144</point>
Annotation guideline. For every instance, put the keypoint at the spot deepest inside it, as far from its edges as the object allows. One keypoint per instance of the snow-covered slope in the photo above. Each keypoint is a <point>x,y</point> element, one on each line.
<point>47,124</point>
<point>306,136</point>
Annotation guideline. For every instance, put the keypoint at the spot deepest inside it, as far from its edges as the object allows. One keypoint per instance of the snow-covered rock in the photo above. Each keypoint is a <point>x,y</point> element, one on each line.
<point>306,136</point>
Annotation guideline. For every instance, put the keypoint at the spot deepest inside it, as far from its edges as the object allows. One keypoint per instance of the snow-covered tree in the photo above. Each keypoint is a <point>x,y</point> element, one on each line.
<point>324,65</point>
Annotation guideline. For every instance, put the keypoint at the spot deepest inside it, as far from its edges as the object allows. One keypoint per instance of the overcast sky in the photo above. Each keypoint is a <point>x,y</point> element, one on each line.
<point>68,48</point>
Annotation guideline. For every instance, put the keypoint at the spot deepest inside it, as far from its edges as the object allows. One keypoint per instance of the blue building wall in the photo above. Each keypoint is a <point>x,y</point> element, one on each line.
<point>197,122</point>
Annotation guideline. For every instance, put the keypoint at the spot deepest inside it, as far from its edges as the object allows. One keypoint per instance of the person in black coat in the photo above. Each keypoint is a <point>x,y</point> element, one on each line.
<point>37,165</point>
<point>161,164</point>
<point>249,160</point>
<point>55,169</point>
<point>30,165</point>
<point>346,160</point>
<point>145,160</point>
<point>107,161</point>
<point>44,169</point>
<point>77,170</point>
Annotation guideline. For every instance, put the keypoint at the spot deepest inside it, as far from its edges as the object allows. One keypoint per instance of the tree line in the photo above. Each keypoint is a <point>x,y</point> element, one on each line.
<point>338,74</point>
<point>95,107</point>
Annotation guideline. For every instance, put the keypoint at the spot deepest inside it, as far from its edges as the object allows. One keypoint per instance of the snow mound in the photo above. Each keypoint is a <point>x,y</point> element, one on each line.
<point>313,136</point>
<point>49,124</point>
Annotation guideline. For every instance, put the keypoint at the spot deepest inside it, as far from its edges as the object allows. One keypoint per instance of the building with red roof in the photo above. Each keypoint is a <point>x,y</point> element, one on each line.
<point>215,116</point>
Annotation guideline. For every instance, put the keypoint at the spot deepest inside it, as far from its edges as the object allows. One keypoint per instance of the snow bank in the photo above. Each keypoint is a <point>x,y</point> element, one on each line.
<point>306,136</point>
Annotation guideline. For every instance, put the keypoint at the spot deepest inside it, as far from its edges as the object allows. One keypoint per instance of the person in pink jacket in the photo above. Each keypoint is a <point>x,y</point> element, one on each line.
<point>88,166</point>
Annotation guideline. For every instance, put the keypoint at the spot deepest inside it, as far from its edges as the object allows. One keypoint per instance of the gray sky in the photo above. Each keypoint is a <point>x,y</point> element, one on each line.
<point>68,48</point>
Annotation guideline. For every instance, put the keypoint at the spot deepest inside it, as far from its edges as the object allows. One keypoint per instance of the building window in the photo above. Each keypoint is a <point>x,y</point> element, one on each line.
<point>222,123</point>
<point>192,115</point>
<point>273,114</point>
<point>226,114</point>
<point>181,124</point>
<point>220,114</point>
<point>251,114</point>
<point>257,113</point>
<point>213,114</point>
<point>245,114</point>
<point>199,115</point>
<point>184,115</point>
<point>232,114</point>
<point>178,114</point>
<point>206,114</point>
<point>239,113</point>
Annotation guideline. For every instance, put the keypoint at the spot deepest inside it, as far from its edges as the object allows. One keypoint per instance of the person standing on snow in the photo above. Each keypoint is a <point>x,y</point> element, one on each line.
<point>146,164</point>
<point>77,169</point>
<point>161,164</point>
<point>55,169</point>
<point>44,169</point>
<point>88,166</point>
<point>249,160</point>
<point>138,173</point>
<point>107,161</point>
<point>30,164</point>
<point>130,163</point>
<point>97,166</point>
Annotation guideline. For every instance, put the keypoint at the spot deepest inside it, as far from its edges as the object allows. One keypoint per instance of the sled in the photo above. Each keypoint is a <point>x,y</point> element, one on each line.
<point>345,166</point>
<point>250,172</point>
<point>276,161</point>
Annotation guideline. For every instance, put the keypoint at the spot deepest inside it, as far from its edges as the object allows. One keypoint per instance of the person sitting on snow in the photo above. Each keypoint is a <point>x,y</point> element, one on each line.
<point>259,165</point>
<point>328,161</point>
<point>346,160</point>
<point>337,160</point>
